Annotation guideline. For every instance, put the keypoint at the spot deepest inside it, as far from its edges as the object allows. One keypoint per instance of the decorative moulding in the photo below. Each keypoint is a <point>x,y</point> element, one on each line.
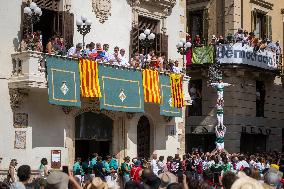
<point>20,120</point>
<point>20,140</point>
<point>102,9</point>
<point>263,3</point>
<point>17,97</point>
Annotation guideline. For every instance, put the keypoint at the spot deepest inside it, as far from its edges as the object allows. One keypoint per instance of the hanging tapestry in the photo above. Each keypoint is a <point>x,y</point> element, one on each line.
<point>176,90</point>
<point>166,107</point>
<point>63,81</point>
<point>122,89</point>
<point>151,86</point>
<point>89,75</point>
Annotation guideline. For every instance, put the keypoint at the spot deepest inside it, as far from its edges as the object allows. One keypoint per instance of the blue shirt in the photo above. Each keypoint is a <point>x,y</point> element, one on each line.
<point>106,166</point>
<point>113,164</point>
<point>93,162</point>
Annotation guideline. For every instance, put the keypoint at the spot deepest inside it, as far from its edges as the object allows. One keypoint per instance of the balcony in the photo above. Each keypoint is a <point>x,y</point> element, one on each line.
<point>238,55</point>
<point>28,70</point>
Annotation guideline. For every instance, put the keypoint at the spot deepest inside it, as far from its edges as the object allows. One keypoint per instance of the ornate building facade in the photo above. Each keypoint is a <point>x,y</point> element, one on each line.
<point>31,128</point>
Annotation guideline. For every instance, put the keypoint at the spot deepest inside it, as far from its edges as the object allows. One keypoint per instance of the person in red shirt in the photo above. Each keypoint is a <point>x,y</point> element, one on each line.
<point>135,172</point>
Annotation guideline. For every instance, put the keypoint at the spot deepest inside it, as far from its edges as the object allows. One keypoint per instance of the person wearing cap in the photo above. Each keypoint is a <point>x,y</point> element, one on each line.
<point>75,52</point>
<point>220,87</point>
<point>60,180</point>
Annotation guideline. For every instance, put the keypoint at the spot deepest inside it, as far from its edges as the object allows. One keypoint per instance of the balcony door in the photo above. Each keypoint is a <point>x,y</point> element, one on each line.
<point>52,23</point>
<point>143,137</point>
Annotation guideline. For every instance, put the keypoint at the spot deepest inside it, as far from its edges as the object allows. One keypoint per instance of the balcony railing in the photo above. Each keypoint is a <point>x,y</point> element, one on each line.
<point>28,70</point>
<point>237,54</point>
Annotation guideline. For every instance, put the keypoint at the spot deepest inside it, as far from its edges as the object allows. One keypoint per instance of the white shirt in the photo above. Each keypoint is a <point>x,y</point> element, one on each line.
<point>176,69</point>
<point>72,51</point>
<point>241,164</point>
<point>154,166</point>
<point>124,61</point>
<point>115,59</point>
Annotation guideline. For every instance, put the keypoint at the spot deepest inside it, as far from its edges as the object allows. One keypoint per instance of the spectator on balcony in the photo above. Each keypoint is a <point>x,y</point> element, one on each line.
<point>91,51</point>
<point>114,57</point>
<point>161,60</point>
<point>142,57</point>
<point>213,40</point>
<point>135,61</point>
<point>154,64</point>
<point>251,38</point>
<point>59,47</point>
<point>75,52</point>
<point>221,40</point>
<point>197,40</point>
<point>101,57</point>
<point>150,55</point>
<point>107,54</point>
<point>176,68</point>
<point>263,45</point>
<point>123,59</point>
<point>239,36</point>
<point>50,45</point>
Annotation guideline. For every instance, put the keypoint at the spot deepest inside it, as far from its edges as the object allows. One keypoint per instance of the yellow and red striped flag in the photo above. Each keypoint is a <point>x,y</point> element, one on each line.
<point>151,86</point>
<point>176,91</point>
<point>89,75</point>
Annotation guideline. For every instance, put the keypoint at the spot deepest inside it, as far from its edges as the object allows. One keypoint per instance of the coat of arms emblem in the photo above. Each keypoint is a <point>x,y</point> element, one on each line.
<point>102,9</point>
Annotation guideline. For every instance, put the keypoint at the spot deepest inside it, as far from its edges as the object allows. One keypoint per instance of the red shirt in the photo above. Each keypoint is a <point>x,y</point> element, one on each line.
<point>134,173</point>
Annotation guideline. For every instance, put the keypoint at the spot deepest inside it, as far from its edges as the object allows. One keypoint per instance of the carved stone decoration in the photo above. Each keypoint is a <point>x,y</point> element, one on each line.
<point>20,120</point>
<point>20,140</point>
<point>165,6</point>
<point>16,98</point>
<point>67,109</point>
<point>130,115</point>
<point>102,8</point>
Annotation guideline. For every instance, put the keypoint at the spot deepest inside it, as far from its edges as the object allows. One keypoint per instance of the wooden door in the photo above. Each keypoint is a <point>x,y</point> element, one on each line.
<point>143,137</point>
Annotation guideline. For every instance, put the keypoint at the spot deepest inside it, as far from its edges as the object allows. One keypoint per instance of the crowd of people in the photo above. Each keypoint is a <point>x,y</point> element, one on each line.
<point>196,170</point>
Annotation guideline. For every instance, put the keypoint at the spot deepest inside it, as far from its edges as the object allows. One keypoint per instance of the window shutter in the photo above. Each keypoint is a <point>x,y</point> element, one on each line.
<point>68,28</point>
<point>205,24</point>
<point>253,21</point>
<point>269,27</point>
<point>164,44</point>
<point>134,36</point>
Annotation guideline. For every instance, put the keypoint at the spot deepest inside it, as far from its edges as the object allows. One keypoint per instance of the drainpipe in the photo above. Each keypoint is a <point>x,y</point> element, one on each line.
<point>242,13</point>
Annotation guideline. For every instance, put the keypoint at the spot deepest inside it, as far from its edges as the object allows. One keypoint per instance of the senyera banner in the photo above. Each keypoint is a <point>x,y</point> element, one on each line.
<point>244,54</point>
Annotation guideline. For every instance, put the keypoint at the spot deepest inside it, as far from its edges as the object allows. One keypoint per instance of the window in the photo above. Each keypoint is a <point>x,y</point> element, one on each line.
<point>160,44</point>
<point>195,23</point>
<point>52,22</point>
<point>195,91</point>
<point>261,24</point>
<point>260,98</point>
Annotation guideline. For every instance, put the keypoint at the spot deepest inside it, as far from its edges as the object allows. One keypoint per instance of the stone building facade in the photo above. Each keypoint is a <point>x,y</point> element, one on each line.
<point>248,130</point>
<point>31,128</point>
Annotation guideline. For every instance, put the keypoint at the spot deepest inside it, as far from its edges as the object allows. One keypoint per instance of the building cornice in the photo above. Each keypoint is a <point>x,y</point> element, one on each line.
<point>263,3</point>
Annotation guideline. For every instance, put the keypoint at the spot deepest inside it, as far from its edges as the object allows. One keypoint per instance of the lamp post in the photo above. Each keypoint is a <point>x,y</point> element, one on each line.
<point>33,13</point>
<point>147,39</point>
<point>182,48</point>
<point>83,27</point>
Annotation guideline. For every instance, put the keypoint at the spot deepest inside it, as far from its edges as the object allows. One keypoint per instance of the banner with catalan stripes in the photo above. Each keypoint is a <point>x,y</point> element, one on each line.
<point>90,86</point>
<point>63,81</point>
<point>176,90</point>
<point>122,89</point>
<point>166,107</point>
<point>151,86</point>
